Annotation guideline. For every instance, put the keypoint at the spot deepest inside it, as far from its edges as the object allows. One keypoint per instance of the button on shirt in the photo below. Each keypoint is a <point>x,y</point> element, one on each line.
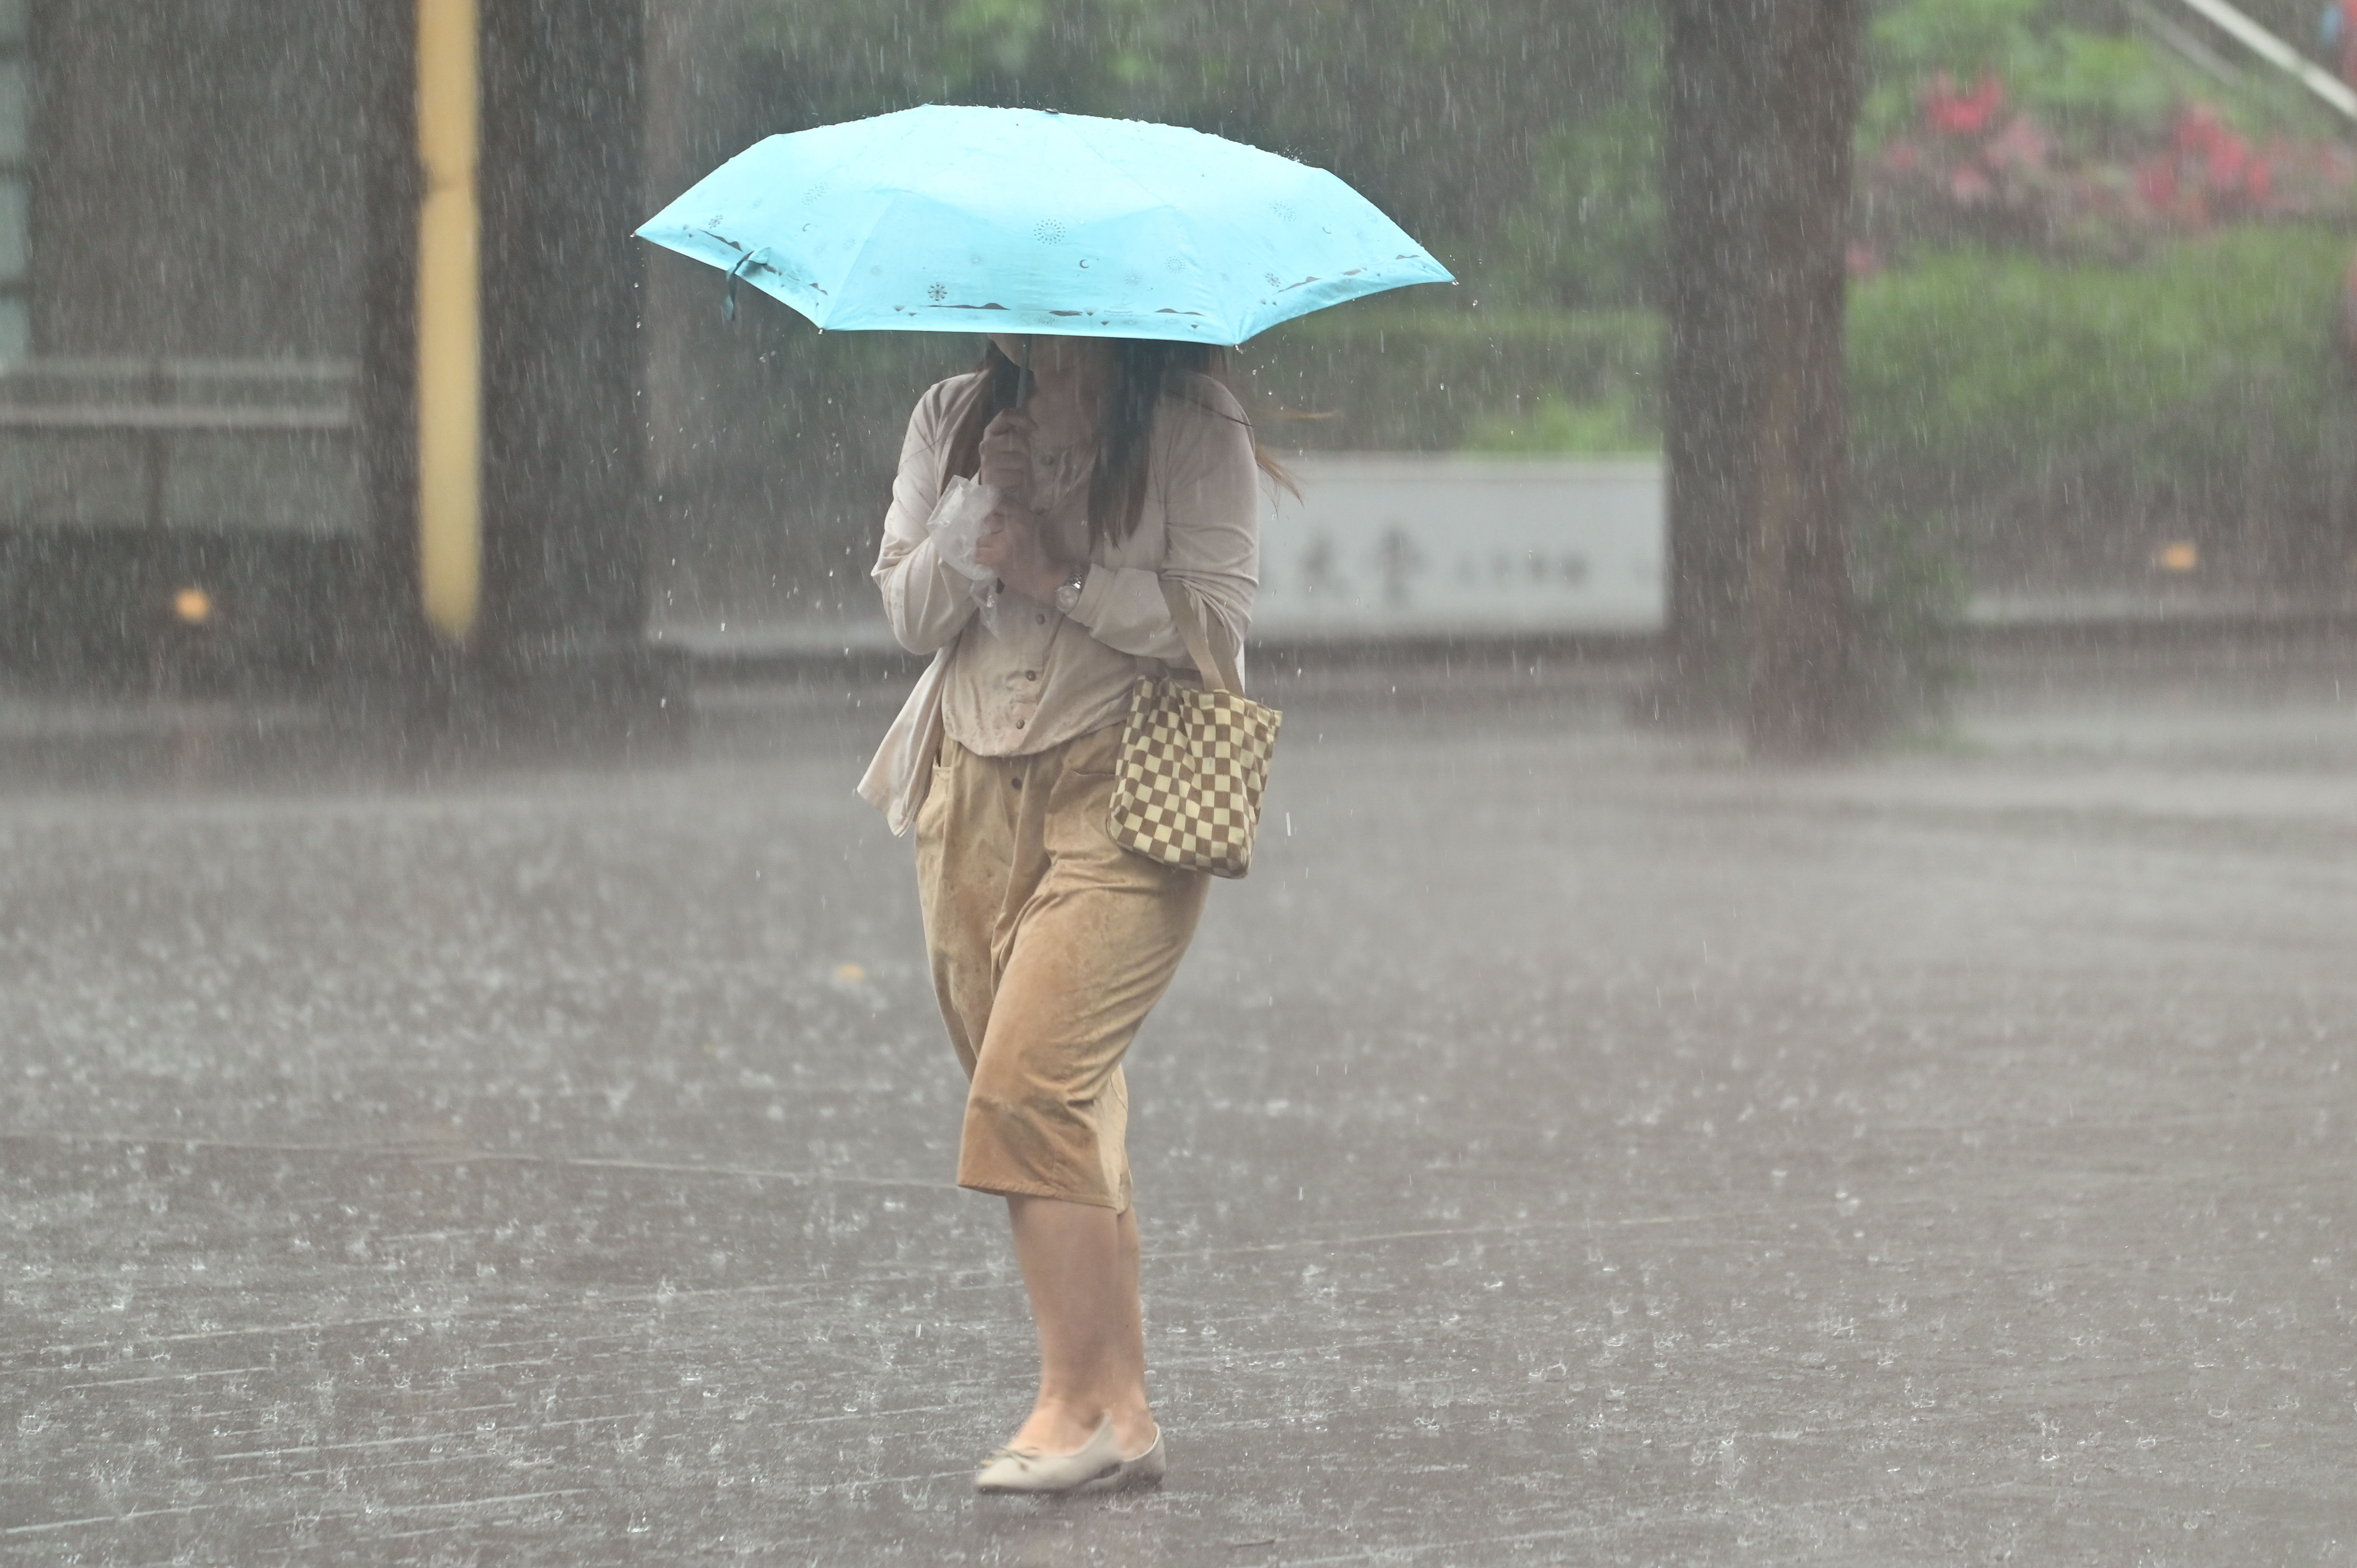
<point>1036,678</point>
<point>991,705</point>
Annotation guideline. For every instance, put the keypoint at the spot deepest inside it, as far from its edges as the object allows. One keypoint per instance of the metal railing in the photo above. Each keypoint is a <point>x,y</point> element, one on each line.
<point>239,444</point>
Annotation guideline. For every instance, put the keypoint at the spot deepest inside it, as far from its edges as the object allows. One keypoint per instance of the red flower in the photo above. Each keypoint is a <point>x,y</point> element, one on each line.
<point>1948,112</point>
<point>2199,133</point>
<point>2228,162</point>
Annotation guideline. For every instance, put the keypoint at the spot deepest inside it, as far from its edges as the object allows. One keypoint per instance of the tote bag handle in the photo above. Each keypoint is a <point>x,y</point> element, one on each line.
<point>1187,616</point>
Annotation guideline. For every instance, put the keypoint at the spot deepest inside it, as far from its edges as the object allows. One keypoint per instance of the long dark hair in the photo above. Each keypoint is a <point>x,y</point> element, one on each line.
<point>1146,370</point>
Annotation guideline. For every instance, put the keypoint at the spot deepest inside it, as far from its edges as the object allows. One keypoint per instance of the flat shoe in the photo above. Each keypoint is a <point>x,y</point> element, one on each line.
<point>1043,1474</point>
<point>1146,1470</point>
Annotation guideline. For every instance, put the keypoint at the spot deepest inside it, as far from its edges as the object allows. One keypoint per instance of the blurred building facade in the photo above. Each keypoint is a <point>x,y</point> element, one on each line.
<point>182,236</point>
<point>211,237</point>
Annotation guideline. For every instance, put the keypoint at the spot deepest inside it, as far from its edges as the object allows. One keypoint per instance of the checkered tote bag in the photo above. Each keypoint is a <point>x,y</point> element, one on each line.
<point>1187,789</point>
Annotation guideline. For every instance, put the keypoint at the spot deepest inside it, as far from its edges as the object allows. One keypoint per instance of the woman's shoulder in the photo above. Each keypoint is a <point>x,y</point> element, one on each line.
<point>1199,410</point>
<point>1206,396</point>
<point>941,405</point>
<point>951,393</point>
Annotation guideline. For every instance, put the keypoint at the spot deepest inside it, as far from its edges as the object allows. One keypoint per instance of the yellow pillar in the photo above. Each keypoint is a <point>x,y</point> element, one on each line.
<point>449,319</point>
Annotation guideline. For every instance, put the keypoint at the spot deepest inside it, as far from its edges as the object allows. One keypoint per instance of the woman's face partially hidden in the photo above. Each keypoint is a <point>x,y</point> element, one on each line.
<point>1052,358</point>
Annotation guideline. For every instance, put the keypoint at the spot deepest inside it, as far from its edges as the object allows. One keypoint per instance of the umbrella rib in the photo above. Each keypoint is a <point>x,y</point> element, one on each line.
<point>1186,240</point>
<point>859,251</point>
<point>910,132</point>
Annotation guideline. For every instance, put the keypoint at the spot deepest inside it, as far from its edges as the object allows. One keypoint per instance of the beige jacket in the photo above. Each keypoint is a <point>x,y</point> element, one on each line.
<point>1041,679</point>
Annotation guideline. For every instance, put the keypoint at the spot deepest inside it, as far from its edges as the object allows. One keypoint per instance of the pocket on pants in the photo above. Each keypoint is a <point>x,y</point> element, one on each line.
<point>938,788</point>
<point>1094,755</point>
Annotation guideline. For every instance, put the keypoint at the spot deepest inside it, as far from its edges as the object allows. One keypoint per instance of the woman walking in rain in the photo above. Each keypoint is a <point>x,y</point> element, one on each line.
<point>1128,469</point>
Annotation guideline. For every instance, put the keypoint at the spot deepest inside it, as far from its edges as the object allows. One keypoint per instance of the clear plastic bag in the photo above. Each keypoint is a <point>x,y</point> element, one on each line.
<point>957,527</point>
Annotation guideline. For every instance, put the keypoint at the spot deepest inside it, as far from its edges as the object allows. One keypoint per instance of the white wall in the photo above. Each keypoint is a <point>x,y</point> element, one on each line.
<point>1388,545</point>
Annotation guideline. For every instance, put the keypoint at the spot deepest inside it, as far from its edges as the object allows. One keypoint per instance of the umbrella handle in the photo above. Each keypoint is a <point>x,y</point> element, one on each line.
<point>1023,377</point>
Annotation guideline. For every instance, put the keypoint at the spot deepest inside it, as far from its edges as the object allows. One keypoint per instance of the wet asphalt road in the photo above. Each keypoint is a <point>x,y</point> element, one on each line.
<point>1570,1145</point>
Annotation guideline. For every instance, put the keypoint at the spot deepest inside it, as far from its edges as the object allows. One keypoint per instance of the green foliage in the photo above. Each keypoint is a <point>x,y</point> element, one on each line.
<point>1979,357</point>
<point>2013,416</point>
<point>1590,234</point>
<point>1971,363</point>
<point>2075,64</point>
<point>2100,84</point>
<point>1998,401</point>
<point>1911,587</point>
<point>1425,105</point>
<point>1373,378</point>
<point>2097,79</point>
<point>1966,37</point>
<point>1555,426</point>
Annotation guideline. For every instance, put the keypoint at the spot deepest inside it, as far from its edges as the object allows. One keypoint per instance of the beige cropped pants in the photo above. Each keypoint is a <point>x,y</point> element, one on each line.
<point>1049,943</point>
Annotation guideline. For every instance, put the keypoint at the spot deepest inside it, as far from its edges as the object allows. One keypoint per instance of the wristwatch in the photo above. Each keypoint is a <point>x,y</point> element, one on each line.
<point>1067,591</point>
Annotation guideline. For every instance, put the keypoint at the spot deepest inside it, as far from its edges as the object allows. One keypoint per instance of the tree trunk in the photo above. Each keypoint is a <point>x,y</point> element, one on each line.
<point>1762,102</point>
<point>1713,178</point>
<point>1802,624</point>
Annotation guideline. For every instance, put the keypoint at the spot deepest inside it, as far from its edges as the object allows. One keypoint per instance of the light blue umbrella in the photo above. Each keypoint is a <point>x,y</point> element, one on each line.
<point>963,219</point>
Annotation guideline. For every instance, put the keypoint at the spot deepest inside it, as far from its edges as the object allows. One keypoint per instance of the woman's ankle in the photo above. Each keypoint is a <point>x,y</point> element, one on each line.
<point>1060,1426</point>
<point>1134,1427</point>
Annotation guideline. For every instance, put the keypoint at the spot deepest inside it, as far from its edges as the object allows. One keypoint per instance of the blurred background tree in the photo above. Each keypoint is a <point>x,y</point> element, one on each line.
<point>2031,173</point>
<point>1433,108</point>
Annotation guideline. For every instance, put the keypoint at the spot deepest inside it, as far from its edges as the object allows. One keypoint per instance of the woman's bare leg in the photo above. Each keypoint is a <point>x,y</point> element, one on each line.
<point>1079,1269</point>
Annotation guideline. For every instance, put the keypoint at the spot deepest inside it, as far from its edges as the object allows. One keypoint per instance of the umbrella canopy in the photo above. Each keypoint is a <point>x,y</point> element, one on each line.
<point>964,220</point>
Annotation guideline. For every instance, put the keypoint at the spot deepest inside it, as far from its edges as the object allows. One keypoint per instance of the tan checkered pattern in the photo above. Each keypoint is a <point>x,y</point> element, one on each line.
<point>1187,789</point>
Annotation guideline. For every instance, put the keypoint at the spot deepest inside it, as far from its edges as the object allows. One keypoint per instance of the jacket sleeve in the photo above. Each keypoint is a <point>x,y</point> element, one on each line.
<point>926,602</point>
<point>1205,474</point>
